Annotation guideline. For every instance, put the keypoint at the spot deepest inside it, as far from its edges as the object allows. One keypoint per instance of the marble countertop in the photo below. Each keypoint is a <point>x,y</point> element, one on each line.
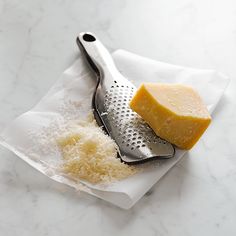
<point>37,43</point>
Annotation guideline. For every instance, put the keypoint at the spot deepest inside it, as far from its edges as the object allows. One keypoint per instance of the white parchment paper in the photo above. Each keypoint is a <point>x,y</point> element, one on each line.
<point>32,135</point>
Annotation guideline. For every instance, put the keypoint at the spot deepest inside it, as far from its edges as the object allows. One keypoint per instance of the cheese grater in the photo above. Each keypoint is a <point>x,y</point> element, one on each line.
<point>137,142</point>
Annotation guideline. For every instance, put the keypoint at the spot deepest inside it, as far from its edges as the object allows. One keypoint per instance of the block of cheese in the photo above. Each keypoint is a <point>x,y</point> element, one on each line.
<point>175,112</point>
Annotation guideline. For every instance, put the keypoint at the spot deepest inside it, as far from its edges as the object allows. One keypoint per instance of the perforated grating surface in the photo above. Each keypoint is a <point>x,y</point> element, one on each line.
<point>131,130</point>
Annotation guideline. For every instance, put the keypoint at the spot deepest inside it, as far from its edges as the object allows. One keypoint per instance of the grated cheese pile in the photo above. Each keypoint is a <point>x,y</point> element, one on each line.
<point>91,155</point>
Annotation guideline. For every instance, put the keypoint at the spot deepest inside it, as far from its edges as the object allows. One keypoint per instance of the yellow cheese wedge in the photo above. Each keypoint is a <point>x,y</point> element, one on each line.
<point>175,112</point>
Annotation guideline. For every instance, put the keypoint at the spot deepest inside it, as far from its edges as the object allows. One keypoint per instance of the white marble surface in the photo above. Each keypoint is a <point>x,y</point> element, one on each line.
<point>37,42</point>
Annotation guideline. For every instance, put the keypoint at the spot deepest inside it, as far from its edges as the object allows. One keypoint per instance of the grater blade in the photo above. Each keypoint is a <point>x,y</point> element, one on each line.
<point>136,140</point>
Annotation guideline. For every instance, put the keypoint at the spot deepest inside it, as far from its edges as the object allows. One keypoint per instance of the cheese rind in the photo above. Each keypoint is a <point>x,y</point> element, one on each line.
<point>175,112</point>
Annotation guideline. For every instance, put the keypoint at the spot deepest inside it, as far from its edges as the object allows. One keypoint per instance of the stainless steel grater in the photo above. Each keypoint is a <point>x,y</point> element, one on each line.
<point>136,140</point>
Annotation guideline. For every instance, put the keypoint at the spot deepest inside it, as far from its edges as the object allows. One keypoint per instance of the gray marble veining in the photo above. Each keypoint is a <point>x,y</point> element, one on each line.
<point>37,42</point>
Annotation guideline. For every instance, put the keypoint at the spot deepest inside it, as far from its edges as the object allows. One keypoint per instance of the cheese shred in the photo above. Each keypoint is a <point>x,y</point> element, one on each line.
<point>89,154</point>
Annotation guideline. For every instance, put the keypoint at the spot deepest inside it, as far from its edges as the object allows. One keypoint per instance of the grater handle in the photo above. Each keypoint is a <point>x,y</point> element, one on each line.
<point>96,54</point>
